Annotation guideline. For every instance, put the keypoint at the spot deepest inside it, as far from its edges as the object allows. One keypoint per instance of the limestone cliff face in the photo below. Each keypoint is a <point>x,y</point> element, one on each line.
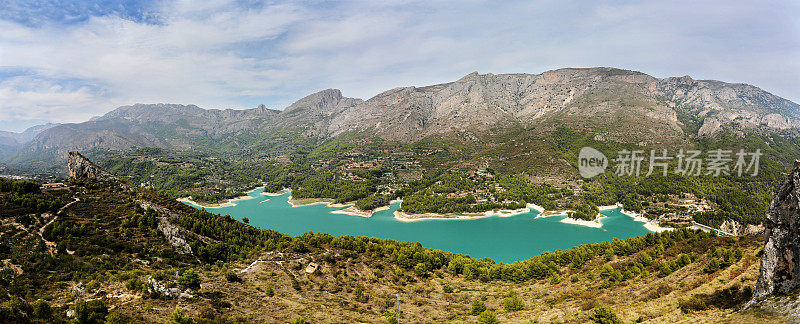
<point>780,262</point>
<point>81,167</point>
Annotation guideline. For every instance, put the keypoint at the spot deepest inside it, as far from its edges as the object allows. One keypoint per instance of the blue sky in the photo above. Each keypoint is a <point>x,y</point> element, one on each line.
<point>66,61</point>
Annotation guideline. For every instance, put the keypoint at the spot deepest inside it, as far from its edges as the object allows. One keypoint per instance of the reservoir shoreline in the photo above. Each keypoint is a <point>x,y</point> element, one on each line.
<point>350,209</point>
<point>227,203</point>
<point>480,235</point>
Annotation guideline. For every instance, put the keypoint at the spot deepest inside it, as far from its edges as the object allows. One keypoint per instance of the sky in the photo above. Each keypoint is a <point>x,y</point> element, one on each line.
<point>65,61</point>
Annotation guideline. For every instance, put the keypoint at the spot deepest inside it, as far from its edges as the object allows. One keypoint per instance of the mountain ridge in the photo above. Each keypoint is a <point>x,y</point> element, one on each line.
<point>616,105</point>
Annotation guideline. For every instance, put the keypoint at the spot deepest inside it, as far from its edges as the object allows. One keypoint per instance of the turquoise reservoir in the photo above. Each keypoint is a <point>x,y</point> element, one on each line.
<point>504,239</point>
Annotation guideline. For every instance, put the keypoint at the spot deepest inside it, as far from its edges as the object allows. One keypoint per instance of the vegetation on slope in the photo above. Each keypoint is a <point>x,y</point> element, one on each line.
<point>109,246</point>
<point>742,199</point>
<point>449,175</point>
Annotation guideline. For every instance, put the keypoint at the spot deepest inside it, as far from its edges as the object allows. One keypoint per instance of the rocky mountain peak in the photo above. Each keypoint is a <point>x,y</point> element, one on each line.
<point>472,76</point>
<point>320,104</point>
<point>780,261</point>
<point>82,168</point>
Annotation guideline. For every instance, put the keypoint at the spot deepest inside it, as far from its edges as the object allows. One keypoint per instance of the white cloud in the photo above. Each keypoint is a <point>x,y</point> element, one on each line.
<point>220,54</point>
<point>27,98</point>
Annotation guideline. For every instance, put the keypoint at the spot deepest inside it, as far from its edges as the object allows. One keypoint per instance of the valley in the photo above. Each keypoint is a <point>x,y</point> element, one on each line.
<point>137,255</point>
<point>465,199</point>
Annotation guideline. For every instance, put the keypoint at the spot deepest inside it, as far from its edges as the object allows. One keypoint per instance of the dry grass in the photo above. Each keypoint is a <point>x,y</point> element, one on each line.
<point>328,295</point>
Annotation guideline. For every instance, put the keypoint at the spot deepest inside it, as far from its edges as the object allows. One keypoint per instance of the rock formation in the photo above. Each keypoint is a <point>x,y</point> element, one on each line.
<point>80,167</point>
<point>780,262</point>
<point>738,229</point>
<point>179,238</point>
<point>167,290</point>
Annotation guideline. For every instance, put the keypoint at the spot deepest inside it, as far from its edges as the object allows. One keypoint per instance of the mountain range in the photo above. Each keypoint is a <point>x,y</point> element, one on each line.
<point>613,104</point>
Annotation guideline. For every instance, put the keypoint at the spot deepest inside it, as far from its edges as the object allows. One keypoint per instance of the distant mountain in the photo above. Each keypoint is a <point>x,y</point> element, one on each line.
<point>11,141</point>
<point>615,105</point>
<point>26,135</point>
<point>140,125</point>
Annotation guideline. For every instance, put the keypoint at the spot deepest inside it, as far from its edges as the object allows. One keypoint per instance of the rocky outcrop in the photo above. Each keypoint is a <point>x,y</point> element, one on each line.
<point>780,262</point>
<point>738,229</point>
<point>81,168</point>
<point>478,103</point>
<point>167,290</point>
<point>79,290</point>
<point>179,238</point>
<point>176,236</point>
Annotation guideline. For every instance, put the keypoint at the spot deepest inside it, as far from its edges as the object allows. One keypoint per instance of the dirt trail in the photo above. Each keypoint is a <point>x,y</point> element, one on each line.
<point>51,246</point>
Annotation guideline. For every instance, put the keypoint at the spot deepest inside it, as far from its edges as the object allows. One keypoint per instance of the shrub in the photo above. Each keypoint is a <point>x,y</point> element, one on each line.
<point>513,303</point>
<point>93,311</point>
<point>232,277</point>
<point>14,310</point>
<point>358,295</point>
<point>189,279</point>
<point>219,303</point>
<point>604,315</point>
<point>487,317</point>
<point>270,291</point>
<point>133,284</point>
<point>421,270</point>
<point>644,259</point>
<point>478,307</point>
<point>391,317</point>
<point>555,279</point>
<point>179,316</point>
<point>713,266</point>
<point>447,288</point>
<point>42,310</point>
<point>298,320</point>
<point>296,284</point>
<point>117,318</point>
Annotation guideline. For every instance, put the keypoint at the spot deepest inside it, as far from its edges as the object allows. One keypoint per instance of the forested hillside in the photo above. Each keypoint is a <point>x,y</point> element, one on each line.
<point>106,257</point>
<point>457,176</point>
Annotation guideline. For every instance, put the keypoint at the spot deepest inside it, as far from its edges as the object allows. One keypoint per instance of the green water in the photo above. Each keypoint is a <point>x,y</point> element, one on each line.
<point>505,239</point>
